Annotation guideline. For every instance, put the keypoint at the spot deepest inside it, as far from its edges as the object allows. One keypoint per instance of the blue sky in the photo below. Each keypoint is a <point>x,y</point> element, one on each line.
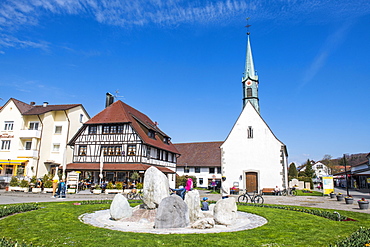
<point>181,62</point>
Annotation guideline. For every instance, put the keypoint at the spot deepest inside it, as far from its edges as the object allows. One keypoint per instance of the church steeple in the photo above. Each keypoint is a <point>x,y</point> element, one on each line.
<point>250,79</point>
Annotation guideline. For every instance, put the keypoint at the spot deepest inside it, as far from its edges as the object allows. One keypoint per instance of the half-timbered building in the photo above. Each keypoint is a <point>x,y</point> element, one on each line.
<point>121,140</point>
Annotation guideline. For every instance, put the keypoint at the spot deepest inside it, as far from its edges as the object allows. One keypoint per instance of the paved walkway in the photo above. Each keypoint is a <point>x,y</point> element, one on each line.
<point>306,201</point>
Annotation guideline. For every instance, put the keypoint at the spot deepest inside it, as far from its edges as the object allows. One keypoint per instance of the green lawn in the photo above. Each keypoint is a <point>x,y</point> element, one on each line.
<point>57,224</point>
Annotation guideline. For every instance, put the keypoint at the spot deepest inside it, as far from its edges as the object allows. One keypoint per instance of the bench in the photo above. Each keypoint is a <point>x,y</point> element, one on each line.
<point>265,191</point>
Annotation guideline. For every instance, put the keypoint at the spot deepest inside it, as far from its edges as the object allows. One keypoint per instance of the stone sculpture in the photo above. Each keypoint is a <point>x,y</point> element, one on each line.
<point>120,208</point>
<point>172,213</point>
<point>156,187</point>
<point>192,200</point>
<point>225,211</point>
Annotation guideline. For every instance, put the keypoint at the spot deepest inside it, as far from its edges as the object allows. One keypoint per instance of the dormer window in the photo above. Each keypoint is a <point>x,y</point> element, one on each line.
<point>151,134</point>
<point>166,140</point>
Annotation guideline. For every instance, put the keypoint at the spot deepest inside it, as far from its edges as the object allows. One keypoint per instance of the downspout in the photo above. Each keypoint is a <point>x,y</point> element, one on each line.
<point>65,149</point>
<point>38,152</point>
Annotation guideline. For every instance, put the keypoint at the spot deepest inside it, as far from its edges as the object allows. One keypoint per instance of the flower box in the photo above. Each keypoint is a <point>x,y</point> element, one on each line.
<point>332,195</point>
<point>113,191</point>
<point>349,200</point>
<point>96,192</point>
<point>36,190</point>
<point>363,204</point>
<point>48,190</point>
<point>17,188</point>
<point>71,191</point>
<point>340,197</point>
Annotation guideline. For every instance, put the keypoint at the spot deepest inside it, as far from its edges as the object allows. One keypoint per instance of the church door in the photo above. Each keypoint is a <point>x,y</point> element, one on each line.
<point>251,181</point>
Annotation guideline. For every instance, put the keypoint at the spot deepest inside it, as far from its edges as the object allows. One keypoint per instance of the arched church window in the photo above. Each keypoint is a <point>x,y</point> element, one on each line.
<point>250,132</point>
<point>249,92</point>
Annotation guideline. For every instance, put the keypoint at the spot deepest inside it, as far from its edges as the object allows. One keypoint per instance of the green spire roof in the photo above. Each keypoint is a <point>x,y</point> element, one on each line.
<point>249,65</point>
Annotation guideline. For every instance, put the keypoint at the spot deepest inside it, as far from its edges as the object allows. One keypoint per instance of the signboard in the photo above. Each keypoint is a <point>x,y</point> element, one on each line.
<point>328,184</point>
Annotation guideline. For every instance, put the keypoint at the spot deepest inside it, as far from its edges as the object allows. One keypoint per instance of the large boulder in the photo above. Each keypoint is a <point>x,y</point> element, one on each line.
<point>156,187</point>
<point>172,213</point>
<point>225,211</point>
<point>192,199</point>
<point>120,208</point>
<point>204,223</point>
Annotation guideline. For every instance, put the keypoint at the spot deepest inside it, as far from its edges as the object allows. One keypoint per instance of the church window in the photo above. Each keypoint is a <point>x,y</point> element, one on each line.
<point>250,132</point>
<point>249,92</point>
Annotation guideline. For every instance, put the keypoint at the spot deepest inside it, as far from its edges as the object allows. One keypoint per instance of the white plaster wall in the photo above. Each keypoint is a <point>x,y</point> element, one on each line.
<point>259,154</point>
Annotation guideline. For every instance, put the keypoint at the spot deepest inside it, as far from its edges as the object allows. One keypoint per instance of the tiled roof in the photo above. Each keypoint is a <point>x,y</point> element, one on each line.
<point>115,167</point>
<point>27,109</point>
<point>119,112</point>
<point>200,154</point>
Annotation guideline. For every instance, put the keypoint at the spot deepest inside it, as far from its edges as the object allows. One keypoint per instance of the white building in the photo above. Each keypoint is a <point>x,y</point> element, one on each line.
<point>252,156</point>
<point>34,138</point>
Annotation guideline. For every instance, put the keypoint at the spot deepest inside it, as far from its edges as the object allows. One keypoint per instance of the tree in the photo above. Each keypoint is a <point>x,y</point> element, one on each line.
<point>292,172</point>
<point>309,171</point>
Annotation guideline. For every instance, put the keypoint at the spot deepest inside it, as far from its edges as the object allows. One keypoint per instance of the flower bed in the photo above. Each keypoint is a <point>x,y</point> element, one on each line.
<point>361,237</point>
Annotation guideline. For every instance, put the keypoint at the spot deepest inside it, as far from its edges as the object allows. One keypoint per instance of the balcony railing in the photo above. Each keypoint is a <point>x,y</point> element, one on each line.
<point>30,134</point>
<point>27,153</point>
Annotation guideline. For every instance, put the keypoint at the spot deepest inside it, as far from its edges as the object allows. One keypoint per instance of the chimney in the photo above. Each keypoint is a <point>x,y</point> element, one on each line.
<point>32,103</point>
<point>109,99</point>
<point>45,104</point>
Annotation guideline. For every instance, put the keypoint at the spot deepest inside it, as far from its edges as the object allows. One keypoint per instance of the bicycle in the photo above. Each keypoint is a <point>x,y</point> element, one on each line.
<point>255,198</point>
<point>289,192</point>
<point>134,194</point>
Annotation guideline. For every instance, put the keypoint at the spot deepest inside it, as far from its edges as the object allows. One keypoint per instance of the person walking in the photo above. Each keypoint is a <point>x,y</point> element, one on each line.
<point>189,183</point>
<point>225,188</point>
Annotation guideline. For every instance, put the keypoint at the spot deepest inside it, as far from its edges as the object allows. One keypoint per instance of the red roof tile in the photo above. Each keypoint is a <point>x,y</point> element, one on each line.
<point>200,154</point>
<point>27,109</point>
<point>119,112</point>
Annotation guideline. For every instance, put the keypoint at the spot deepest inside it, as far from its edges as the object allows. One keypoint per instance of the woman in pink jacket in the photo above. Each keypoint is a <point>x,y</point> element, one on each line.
<point>189,184</point>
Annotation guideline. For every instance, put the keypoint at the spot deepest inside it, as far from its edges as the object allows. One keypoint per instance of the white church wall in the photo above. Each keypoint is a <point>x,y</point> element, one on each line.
<point>260,154</point>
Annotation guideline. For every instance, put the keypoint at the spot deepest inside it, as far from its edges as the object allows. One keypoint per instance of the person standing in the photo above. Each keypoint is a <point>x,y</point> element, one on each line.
<point>189,183</point>
<point>225,188</point>
<point>62,186</point>
<point>205,206</point>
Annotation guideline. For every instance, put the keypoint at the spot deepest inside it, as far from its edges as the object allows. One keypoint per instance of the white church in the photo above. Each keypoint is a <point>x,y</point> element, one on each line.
<point>252,157</point>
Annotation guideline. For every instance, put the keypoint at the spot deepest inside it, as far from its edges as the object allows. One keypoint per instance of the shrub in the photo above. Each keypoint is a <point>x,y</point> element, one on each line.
<point>110,186</point>
<point>14,182</point>
<point>358,238</point>
<point>139,186</point>
<point>24,183</point>
<point>48,184</point>
<point>119,186</point>
<point>33,180</point>
<point>181,181</point>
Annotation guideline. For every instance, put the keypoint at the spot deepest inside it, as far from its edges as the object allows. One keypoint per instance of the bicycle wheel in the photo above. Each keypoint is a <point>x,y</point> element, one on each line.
<point>283,193</point>
<point>130,196</point>
<point>243,198</point>
<point>259,199</point>
<point>294,193</point>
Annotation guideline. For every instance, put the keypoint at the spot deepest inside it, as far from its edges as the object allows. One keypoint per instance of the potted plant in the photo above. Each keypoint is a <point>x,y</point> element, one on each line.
<point>363,203</point>
<point>332,195</point>
<point>340,197</point>
<point>14,184</point>
<point>24,184</point>
<point>48,186</point>
<point>348,199</point>
<point>97,190</point>
<point>110,189</point>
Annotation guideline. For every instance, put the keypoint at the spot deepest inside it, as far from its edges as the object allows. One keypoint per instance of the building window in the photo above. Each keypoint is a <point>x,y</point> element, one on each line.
<point>166,140</point>
<point>8,125</point>
<point>112,150</point>
<point>158,154</point>
<point>148,152</point>
<point>81,118</point>
<point>151,134</point>
<point>93,130</point>
<point>9,170</point>
<point>119,129</point>
<point>113,129</point>
<point>200,181</point>
<point>27,145</point>
<point>218,170</point>
<point>197,169</point>
<point>5,145</point>
<point>82,150</point>
<point>56,147</point>
<point>131,150</point>
<point>106,129</point>
<point>211,170</point>
<point>34,126</point>
<point>58,129</point>
<point>249,92</point>
<point>186,170</point>
<point>250,132</point>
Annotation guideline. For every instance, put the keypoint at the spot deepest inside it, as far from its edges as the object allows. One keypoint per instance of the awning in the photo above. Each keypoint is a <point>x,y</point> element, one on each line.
<point>114,167</point>
<point>13,162</point>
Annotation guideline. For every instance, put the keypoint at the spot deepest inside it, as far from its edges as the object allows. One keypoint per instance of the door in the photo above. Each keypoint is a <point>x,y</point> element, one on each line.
<point>251,181</point>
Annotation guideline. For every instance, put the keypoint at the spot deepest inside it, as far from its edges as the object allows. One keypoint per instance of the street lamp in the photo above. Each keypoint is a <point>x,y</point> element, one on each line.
<point>345,171</point>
